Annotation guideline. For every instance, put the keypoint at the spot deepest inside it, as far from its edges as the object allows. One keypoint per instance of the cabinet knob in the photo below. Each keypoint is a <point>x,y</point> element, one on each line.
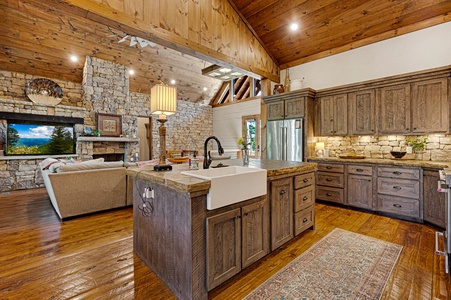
<point>397,205</point>
<point>359,170</point>
<point>328,167</point>
<point>304,220</point>
<point>328,179</point>
<point>407,128</point>
<point>397,173</point>
<point>328,194</point>
<point>246,214</point>
<point>305,180</point>
<point>305,198</point>
<point>282,192</point>
<point>397,187</point>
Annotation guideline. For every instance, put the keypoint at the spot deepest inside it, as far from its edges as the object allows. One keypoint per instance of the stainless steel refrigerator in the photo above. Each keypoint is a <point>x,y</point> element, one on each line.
<point>284,139</point>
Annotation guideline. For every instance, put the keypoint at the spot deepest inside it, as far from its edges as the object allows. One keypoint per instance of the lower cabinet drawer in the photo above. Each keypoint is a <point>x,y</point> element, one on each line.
<point>398,187</point>
<point>400,206</point>
<point>330,194</point>
<point>304,219</point>
<point>330,179</point>
<point>304,180</point>
<point>303,198</point>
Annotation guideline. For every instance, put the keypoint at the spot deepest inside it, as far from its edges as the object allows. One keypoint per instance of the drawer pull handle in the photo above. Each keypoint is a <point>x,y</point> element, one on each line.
<point>305,180</point>
<point>359,170</point>
<point>397,173</point>
<point>328,167</point>
<point>282,192</point>
<point>328,179</point>
<point>397,205</point>
<point>304,220</point>
<point>305,198</point>
<point>397,187</point>
<point>328,194</point>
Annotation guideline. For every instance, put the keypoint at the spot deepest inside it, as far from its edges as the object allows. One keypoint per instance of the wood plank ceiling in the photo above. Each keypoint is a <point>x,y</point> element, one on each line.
<point>37,39</point>
<point>328,27</point>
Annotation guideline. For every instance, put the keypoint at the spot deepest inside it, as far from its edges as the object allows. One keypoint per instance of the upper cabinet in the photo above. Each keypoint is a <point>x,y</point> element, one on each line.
<point>394,109</point>
<point>362,112</point>
<point>430,106</point>
<point>333,114</point>
<point>286,109</point>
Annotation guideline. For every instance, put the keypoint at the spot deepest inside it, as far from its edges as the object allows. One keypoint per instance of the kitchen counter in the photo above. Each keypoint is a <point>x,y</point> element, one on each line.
<point>185,183</point>
<point>388,162</point>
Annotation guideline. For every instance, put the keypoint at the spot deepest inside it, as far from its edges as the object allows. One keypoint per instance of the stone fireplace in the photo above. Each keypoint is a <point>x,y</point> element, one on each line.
<point>110,148</point>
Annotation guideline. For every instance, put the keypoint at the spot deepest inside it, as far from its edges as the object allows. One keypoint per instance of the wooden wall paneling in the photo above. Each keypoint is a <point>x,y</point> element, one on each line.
<point>194,22</point>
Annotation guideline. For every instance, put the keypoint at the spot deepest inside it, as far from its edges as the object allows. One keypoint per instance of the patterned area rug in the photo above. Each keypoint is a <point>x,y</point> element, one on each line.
<point>342,265</point>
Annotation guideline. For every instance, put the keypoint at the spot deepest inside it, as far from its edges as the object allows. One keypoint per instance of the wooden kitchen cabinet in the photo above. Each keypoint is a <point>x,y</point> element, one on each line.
<point>433,201</point>
<point>281,195</point>
<point>304,202</point>
<point>223,247</point>
<point>394,109</point>
<point>285,109</point>
<point>362,116</point>
<point>360,186</point>
<point>333,115</point>
<point>236,239</point>
<point>255,232</point>
<point>330,182</point>
<point>430,106</point>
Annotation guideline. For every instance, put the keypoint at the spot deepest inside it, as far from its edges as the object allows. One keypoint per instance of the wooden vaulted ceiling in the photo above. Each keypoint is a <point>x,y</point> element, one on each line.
<point>37,39</point>
<point>328,27</point>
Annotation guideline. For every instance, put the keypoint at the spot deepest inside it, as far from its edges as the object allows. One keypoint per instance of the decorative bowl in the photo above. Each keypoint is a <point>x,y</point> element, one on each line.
<point>398,154</point>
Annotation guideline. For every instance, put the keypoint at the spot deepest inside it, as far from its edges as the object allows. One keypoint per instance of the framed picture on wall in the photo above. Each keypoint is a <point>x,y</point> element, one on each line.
<point>109,125</point>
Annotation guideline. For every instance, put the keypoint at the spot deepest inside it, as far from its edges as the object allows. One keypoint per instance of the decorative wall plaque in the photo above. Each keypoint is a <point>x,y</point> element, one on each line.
<point>44,91</point>
<point>109,125</point>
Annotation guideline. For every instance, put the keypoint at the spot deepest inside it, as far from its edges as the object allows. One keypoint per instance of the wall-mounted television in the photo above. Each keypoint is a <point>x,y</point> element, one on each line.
<point>39,138</point>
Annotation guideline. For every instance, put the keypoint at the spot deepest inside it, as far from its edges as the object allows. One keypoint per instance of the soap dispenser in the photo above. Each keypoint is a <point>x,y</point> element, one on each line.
<point>194,162</point>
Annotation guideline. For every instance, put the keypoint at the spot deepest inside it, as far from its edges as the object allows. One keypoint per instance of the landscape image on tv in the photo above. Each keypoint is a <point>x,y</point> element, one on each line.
<point>39,139</point>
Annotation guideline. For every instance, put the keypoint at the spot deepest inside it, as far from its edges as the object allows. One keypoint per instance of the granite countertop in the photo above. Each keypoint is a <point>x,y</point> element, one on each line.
<point>185,183</point>
<point>388,162</point>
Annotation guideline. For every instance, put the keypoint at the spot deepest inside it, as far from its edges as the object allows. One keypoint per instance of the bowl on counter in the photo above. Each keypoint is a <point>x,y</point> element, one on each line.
<point>398,154</point>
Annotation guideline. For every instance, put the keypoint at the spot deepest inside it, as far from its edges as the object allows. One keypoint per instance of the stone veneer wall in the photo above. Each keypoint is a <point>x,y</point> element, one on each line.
<point>438,146</point>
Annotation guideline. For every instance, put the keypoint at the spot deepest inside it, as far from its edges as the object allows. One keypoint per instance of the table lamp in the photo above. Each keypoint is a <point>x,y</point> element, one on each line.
<point>163,102</point>
<point>319,147</point>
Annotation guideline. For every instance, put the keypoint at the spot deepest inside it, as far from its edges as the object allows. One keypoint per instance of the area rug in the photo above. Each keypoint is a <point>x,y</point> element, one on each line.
<point>342,265</point>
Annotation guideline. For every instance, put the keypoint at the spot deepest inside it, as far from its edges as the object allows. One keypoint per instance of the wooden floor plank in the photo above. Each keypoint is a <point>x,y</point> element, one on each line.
<point>92,256</point>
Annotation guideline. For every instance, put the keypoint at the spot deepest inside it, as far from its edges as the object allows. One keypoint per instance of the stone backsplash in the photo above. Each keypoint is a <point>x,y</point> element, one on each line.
<point>438,146</point>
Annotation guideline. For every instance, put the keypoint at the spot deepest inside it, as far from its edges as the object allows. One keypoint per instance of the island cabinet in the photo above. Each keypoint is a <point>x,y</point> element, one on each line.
<point>399,191</point>
<point>360,186</point>
<point>333,115</point>
<point>304,202</point>
<point>281,195</point>
<point>330,182</point>
<point>236,238</point>
<point>434,202</point>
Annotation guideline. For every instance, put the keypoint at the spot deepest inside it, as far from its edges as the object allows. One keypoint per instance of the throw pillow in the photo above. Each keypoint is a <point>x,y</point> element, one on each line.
<point>46,163</point>
<point>56,166</point>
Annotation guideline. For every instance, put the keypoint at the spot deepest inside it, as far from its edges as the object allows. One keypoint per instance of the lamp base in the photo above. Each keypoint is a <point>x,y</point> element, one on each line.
<point>162,168</point>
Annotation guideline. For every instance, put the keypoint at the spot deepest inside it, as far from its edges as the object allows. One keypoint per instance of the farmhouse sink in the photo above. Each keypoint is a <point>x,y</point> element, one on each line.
<point>233,184</point>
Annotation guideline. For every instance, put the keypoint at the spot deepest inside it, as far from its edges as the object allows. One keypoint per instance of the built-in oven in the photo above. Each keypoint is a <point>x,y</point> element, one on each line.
<point>444,249</point>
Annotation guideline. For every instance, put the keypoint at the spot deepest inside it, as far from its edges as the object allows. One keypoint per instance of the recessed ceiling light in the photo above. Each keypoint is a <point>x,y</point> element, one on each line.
<point>205,89</point>
<point>294,26</point>
<point>73,58</point>
<point>173,81</point>
<point>131,72</point>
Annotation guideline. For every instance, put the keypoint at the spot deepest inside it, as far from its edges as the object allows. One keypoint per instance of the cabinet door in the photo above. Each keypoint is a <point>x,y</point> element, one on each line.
<point>434,202</point>
<point>223,247</point>
<point>430,106</point>
<point>281,211</point>
<point>362,106</point>
<point>334,111</point>
<point>275,110</point>
<point>360,191</point>
<point>394,109</point>
<point>294,108</point>
<point>255,229</point>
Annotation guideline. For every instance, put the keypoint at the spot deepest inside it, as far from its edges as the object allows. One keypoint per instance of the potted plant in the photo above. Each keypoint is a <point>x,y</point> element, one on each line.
<point>418,145</point>
<point>97,132</point>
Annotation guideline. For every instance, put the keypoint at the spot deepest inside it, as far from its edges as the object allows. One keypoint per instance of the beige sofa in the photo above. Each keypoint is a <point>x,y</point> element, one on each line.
<point>79,189</point>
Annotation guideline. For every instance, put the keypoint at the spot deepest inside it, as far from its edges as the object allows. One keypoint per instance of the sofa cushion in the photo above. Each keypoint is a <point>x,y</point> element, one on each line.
<point>88,165</point>
<point>55,167</point>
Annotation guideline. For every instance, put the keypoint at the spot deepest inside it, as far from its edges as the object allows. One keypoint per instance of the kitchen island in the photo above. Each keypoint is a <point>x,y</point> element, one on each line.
<point>193,249</point>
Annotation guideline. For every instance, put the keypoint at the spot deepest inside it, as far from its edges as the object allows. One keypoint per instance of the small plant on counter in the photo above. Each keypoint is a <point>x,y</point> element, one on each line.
<point>97,132</point>
<point>418,145</point>
<point>242,141</point>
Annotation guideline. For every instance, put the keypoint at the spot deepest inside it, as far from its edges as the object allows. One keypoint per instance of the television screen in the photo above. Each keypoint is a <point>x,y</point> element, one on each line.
<point>36,138</point>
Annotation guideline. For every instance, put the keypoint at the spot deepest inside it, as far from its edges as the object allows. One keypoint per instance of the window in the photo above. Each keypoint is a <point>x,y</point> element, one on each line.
<point>238,89</point>
<point>251,130</point>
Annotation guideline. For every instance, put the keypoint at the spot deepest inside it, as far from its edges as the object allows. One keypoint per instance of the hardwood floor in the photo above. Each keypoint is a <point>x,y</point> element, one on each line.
<point>91,257</point>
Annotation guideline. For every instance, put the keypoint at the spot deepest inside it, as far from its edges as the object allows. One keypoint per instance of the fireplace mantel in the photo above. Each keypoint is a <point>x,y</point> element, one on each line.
<point>82,139</point>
